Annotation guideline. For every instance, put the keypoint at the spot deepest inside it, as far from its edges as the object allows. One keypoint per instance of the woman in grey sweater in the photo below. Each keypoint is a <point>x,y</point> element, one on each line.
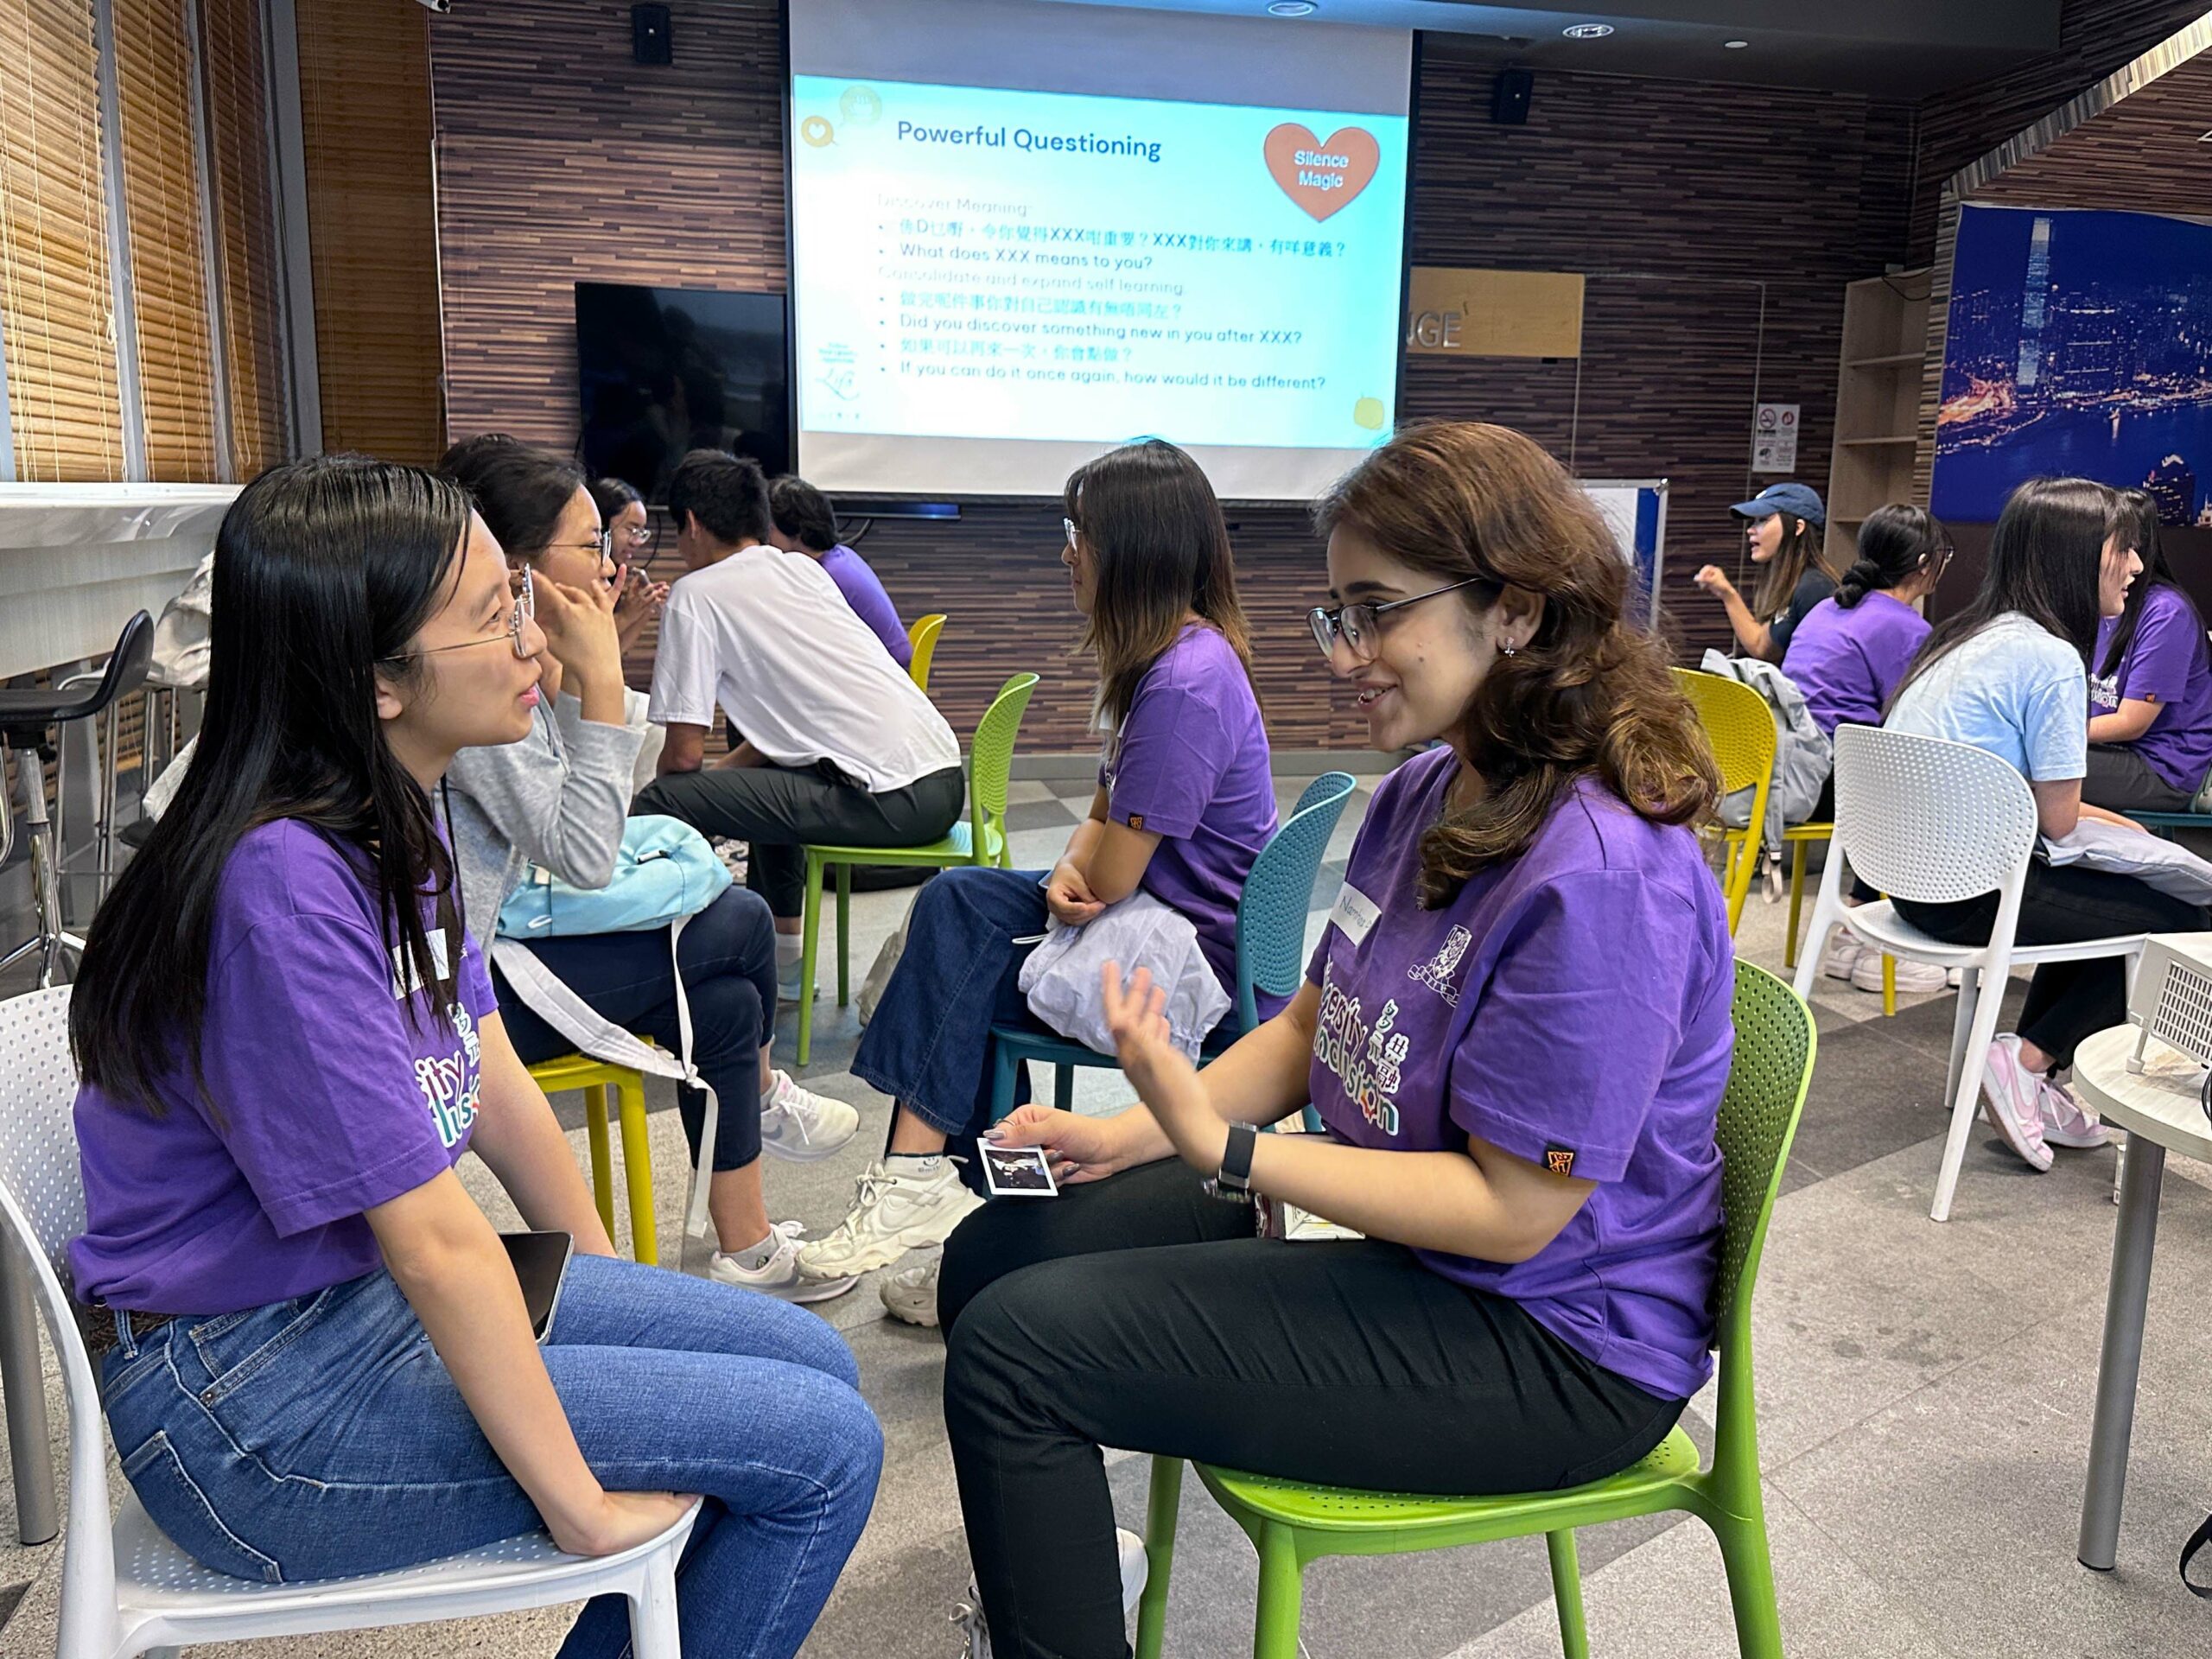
<point>559,800</point>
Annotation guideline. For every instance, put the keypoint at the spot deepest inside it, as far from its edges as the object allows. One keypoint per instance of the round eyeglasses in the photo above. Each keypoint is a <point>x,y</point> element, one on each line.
<point>525,610</point>
<point>1360,626</point>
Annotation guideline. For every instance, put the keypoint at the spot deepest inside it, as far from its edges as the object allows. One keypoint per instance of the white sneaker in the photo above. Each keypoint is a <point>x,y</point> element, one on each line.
<point>1841,955</point>
<point>787,981</point>
<point>892,1212</point>
<point>2066,1120</point>
<point>780,1277</point>
<point>1136,1568</point>
<point>2008,1101</point>
<point>800,1125</point>
<point>910,1296</point>
<point>1916,978</point>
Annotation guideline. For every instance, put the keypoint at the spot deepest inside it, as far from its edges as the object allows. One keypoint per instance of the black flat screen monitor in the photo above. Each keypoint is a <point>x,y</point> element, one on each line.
<point>660,371</point>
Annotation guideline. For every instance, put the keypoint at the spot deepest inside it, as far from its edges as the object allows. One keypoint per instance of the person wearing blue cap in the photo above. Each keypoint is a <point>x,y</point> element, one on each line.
<point>1783,524</point>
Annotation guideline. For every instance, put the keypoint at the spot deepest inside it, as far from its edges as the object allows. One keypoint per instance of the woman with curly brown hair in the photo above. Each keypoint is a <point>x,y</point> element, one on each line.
<point>1515,1030</point>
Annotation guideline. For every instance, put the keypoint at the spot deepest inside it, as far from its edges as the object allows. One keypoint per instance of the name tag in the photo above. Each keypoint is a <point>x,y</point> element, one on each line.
<point>404,983</point>
<point>1355,913</point>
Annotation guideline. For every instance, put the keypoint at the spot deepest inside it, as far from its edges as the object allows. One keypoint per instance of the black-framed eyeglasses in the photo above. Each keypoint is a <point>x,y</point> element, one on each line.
<point>1942,563</point>
<point>525,610</point>
<point>1359,626</point>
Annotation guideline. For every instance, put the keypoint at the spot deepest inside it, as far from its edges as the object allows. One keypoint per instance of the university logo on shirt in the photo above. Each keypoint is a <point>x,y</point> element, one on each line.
<point>1437,972</point>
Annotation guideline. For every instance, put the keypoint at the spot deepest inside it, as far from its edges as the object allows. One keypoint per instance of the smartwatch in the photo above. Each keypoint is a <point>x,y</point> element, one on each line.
<point>1232,1182</point>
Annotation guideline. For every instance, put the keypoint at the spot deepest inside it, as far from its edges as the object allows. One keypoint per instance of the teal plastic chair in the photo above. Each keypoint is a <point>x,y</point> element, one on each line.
<point>1291,1523</point>
<point>982,840</point>
<point>1270,944</point>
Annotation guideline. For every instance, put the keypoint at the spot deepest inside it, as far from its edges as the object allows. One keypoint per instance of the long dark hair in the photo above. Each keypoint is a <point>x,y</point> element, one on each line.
<point>1895,544</point>
<point>611,496</point>
<point>1588,695</point>
<point>325,569</point>
<point>520,490</point>
<point>2139,529</point>
<point>1159,550</point>
<point>1800,551</point>
<point>2046,559</point>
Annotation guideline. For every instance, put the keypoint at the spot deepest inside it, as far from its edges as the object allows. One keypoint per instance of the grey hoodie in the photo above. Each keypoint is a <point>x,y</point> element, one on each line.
<point>559,798</point>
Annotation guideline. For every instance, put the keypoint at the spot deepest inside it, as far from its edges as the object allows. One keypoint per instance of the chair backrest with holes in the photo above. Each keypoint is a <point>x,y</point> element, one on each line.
<point>1279,893</point>
<point>990,764</point>
<point>43,1204</point>
<point>1927,819</point>
<point>1768,1075</point>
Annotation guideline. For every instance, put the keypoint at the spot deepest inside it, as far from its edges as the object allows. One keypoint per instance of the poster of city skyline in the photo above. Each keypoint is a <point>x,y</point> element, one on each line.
<point>2080,343</point>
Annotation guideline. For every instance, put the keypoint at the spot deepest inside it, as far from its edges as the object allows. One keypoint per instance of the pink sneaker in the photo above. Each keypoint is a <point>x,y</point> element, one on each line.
<point>2066,1120</point>
<point>2009,1100</point>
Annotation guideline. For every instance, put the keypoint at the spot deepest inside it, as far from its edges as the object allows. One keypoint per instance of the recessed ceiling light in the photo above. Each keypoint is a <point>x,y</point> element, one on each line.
<point>1735,46</point>
<point>1292,8</point>
<point>1587,31</point>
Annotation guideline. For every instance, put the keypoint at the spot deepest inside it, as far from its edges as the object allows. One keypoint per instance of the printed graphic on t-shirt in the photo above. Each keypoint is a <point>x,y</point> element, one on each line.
<point>450,1083</point>
<point>1368,1063</point>
<point>1437,972</point>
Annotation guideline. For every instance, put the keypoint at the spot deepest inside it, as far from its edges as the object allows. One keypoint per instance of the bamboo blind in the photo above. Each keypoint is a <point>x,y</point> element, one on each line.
<point>236,99</point>
<point>56,322</point>
<point>169,263</point>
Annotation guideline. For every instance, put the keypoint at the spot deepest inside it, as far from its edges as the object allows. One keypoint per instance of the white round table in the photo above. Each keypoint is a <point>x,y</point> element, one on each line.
<point>2159,1108</point>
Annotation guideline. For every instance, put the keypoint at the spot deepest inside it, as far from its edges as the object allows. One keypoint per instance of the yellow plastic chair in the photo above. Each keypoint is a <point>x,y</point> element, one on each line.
<point>593,1078</point>
<point>923,638</point>
<point>980,840</point>
<point>1740,727</point>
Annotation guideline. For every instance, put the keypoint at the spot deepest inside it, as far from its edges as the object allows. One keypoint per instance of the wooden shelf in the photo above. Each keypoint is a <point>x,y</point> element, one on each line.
<point>1878,384</point>
<point>1871,443</point>
<point>1894,360</point>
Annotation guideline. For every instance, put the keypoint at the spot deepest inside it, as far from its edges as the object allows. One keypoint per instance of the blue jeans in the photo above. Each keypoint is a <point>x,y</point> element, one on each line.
<point>927,1042</point>
<point>729,953</point>
<point>322,1436</point>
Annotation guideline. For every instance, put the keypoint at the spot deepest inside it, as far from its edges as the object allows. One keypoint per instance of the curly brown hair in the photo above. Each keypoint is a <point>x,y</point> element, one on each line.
<point>1588,695</point>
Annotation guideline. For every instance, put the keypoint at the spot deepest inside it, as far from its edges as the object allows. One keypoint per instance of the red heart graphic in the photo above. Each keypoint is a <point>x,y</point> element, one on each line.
<point>1321,178</point>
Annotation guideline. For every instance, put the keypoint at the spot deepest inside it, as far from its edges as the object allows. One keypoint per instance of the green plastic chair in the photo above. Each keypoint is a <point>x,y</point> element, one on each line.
<point>1291,1523</point>
<point>980,840</point>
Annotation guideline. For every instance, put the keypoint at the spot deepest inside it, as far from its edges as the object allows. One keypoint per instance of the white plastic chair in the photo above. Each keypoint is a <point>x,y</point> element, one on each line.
<point>1924,819</point>
<point>125,1588</point>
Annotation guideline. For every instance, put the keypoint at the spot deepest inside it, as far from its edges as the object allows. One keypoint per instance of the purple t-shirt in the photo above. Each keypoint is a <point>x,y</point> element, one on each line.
<point>1571,1007</point>
<point>857,582</point>
<point>2167,659</point>
<point>327,1102</point>
<point>1191,764</point>
<point>1847,663</point>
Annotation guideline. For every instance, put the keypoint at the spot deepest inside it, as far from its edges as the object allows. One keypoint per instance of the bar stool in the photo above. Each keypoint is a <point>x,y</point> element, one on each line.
<point>27,717</point>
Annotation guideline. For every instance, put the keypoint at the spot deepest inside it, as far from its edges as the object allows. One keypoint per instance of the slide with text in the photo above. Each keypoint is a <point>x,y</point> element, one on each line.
<point>980,263</point>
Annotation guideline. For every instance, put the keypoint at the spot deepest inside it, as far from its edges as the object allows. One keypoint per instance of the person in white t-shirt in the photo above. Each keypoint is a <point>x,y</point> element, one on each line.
<point>835,743</point>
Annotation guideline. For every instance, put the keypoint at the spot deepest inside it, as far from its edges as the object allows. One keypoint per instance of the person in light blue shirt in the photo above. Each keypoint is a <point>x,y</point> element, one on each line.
<point>2009,673</point>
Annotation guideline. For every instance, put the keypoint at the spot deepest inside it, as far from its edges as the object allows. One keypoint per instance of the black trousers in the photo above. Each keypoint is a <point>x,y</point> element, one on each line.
<point>2121,780</point>
<point>2067,1001</point>
<point>730,981</point>
<point>777,810</point>
<point>1139,1313</point>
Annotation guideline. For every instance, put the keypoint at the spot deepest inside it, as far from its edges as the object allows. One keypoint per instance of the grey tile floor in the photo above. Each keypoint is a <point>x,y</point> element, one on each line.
<point>1924,1391</point>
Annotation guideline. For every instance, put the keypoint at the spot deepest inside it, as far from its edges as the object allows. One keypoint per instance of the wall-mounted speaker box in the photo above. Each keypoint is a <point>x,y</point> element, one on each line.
<point>649,38</point>
<point>1510,96</point>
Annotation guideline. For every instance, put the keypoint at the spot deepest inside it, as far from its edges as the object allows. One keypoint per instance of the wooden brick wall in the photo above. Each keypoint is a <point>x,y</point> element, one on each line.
<point>1718,225</point>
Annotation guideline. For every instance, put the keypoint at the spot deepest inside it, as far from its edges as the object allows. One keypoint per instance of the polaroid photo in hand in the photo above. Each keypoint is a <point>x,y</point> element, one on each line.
<point>1018,1172</point>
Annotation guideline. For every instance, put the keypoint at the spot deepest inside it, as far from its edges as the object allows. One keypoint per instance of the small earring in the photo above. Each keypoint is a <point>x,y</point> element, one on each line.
<point>1508,649</point>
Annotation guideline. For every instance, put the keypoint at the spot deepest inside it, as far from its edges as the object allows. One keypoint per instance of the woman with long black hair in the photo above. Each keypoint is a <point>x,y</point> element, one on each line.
<point>2007,672</point>
<point>558,801</point>
<point>2150,685</point>
<point>1185,800</point>
<point>1515,1029</point>
<point>1783,527</point>
<point>316,1359</point>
